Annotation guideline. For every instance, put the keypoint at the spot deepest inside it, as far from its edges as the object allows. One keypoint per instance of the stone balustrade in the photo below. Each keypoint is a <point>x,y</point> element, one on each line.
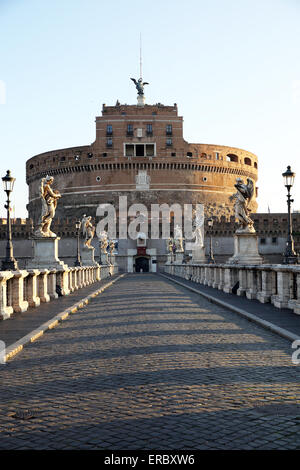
<point>278,284</point>
<point>22,289</point>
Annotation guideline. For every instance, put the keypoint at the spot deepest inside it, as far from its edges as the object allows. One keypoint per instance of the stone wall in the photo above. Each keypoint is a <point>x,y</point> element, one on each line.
<point>177,172</point>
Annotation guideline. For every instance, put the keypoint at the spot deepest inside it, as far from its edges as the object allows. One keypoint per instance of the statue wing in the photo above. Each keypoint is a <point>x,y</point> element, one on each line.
<point>41,188</point>
<point>83,221</point>
<point>145,83</point>
<point>134,80</point>
<point>250,189</point>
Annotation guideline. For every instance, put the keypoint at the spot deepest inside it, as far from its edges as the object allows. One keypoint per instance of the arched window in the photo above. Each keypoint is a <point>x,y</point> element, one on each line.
<point>247,161</point>
<point>255,165</point>
<point>231,157</point>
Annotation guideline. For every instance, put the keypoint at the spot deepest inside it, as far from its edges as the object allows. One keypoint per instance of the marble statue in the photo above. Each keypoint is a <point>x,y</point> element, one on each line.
<point>111,246</point>
<point>103,242</point>
<point>178,239</point>
<point>49,198</point>
<point>169,245</point>
<point>139,84</point>
<point>88,230</point>
<point>241,200</point>
<point>198,224</point>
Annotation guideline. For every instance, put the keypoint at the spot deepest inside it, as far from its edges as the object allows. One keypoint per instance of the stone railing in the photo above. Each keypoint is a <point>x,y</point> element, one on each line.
<point>22,289</point>
<point>278,284</point>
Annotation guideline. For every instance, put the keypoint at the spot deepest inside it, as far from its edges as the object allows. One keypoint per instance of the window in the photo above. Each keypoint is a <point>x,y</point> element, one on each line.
<point>109,129</point>
<point>149,130</point>
<point>173,154</point>
<point>150,150</point>
<point>262,241</point>
<point>129,129</point>
<point>231,157</point>
<point>104,154</point>
<point>247,161</point>
<point>274,240</point>
<point>169,142</point>
<point>129,150</point>
<point>189,154</point>
<point>90,155</point>
<point>109,142</point>
<point>139,150</point>
<point>169,129</point>
<point>217,156</point>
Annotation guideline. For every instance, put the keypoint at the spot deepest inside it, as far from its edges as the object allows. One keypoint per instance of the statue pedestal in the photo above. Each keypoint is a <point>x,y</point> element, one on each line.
<point>141,100</point>
<point>45,254</point>
<point>245,249</point>
<point>198,255</point>
<point>168,258</point>
<point>87,256</point>
<point>179,258</point>
<point>104,259</point>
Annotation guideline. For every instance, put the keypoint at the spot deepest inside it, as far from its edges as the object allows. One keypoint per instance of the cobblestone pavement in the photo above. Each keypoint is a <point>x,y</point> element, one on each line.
<point>149,365</point>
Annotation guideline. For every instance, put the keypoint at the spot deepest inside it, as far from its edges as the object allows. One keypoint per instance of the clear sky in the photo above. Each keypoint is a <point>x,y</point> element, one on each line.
<point>232,66</point>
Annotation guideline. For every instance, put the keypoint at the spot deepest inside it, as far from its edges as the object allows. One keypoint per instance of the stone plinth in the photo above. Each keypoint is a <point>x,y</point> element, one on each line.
<point>141,100</point>
<point>245,249</point>
<point>87,256</point>
<point>179,257</point>
<point>104,259</point>
<point>198,255</point>
<point>45,254</point>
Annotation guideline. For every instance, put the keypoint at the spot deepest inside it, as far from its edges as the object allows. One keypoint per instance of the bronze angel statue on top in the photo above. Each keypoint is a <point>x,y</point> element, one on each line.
<point>242,199</point>
<point>139,84</point>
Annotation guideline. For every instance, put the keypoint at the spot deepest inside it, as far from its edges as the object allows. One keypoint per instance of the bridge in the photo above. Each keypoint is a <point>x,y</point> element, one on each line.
<point>150,361</point>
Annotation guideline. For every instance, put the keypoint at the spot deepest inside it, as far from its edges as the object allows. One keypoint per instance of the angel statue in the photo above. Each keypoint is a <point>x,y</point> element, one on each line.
<point>178,239</point>
<point>139,85</point>
<point>103,242</point>
<point>88,231</point>
<point>242,200</point>
<point>169,244</point>
<point>49,199</point>
<point>111,246</point>
<point>198,226</point>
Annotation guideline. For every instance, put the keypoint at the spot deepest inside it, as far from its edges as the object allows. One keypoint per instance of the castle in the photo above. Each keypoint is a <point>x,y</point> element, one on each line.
<point>140,152</point>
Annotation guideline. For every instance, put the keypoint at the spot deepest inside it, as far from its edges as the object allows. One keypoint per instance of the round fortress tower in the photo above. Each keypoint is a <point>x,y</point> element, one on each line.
<point>140,152</point>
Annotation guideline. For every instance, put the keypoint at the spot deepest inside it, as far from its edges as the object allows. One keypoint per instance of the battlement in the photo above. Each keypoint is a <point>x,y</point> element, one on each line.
<point>147,109</point>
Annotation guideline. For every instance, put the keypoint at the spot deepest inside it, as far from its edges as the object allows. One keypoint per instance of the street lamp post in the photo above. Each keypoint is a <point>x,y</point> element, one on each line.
<point>290,256</point>
<point>78,260</point>
<point>9,263</point>
<point>211,259</point>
